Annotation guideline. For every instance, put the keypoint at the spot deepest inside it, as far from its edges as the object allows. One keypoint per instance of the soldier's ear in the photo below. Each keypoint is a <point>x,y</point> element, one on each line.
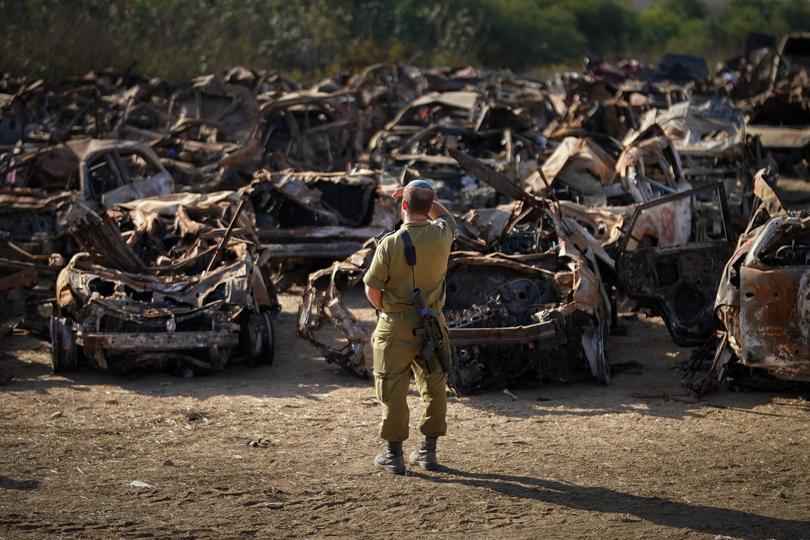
<point>404,204</point>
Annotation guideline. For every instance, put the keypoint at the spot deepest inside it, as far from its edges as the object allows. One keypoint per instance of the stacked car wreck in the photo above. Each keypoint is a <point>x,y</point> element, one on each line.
<point>172,214</point>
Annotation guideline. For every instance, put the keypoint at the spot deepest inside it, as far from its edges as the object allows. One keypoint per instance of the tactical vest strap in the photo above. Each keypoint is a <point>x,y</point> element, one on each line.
<point>410,250</point>
<point>410,255</point>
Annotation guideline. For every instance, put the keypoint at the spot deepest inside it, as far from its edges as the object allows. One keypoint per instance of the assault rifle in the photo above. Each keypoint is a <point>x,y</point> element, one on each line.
<point>433,349</point>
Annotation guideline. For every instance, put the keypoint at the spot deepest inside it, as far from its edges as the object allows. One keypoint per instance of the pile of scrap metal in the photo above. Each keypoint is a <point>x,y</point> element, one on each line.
<point>503,127</point>
<point>771,86</point>
<point>223,127</point>
<point>710,138</point>
<point>620,180</point>
<point>35,194</point>
<point>36,186</point>
<point>660,232</point>
<point>763,300</point>
<point>599,189</point>
<point>173,282</point>
<point>529,304</point>
<point>210,133</point>
<point>582,171</point>
<point>669,240</point>
<point>98,105</point>
<point>657,252</point>
<point>597,106</point>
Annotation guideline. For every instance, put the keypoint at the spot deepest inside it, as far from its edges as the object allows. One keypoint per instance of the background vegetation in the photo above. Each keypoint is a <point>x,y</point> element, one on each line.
<point>175,39</point>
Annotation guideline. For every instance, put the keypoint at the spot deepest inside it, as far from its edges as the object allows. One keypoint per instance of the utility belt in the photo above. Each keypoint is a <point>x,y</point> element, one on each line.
<point>407,315</point>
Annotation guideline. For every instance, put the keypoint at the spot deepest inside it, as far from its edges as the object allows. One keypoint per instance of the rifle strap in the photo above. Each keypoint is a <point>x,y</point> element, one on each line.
<point>410,254</point>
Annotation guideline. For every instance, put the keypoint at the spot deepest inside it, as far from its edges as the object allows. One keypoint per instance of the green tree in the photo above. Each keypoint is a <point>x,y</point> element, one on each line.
<point>177,39</point>
<point>608,26</point>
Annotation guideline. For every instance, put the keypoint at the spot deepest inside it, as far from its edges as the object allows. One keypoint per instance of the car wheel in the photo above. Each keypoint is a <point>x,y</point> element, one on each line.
<point>64,353</point>
<point>259,338</point>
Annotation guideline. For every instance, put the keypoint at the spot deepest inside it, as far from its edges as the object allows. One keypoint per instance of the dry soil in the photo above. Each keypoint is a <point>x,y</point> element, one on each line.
<point>285,451</point>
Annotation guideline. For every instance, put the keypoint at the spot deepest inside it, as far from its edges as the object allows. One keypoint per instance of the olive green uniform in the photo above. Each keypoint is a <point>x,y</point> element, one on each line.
<point>396,348</point>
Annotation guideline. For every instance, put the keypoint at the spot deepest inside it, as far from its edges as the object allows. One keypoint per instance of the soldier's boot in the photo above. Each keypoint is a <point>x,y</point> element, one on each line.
<point>425,455</point>
<point>392,460</point>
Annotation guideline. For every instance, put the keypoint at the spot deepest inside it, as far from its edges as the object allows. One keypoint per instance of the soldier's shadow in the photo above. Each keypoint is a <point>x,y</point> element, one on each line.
<point>706,519</point>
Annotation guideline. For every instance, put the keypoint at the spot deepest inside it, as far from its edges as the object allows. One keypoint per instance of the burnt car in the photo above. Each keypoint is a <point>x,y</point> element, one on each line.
<point>36,186</point>
<point>710,137</point>
<point>312,131</point>
<point>600,192</point>
<point>167,283</point>
<point>321,215</point>
<point>308,219</point>
<point>499,129</point>
<point>512,322</point>
<point>528,305</point>
<point>37,189</point>
<point>583,171</point>
<point>763,302</point>
<point>213,111</point>
<point>211,138</point>
<point>780,115</point>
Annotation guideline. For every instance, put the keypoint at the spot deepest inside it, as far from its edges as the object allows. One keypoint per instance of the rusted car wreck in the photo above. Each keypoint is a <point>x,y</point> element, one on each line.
<point>164,282</point>
<point>319,215</point>
<point>37,185</point>
<point>514,315</point>
<point>763,302</point>
<point>503,131</point>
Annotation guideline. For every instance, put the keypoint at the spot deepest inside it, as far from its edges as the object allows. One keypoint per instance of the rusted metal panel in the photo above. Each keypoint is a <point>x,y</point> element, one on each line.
<point>781,137</point>
<point>153,341</point>
<point>775,320</point>
<point>546,333</point>
<point>308,250</point>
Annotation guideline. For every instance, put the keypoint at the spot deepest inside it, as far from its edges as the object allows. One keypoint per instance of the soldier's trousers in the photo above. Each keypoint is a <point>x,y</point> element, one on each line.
<point>396,355</point>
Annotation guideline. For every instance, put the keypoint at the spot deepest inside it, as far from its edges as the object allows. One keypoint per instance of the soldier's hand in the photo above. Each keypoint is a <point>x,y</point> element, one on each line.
<point>398,193</point>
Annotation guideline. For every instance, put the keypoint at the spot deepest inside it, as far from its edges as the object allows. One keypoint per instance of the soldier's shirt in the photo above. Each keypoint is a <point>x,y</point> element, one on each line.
<point>389,271</point>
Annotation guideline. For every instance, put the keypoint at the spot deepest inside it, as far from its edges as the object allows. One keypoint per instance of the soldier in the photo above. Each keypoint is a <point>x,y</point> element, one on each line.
<point>389,283</point>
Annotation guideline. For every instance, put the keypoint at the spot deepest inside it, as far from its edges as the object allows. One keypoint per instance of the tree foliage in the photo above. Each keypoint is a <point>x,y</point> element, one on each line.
<point>176,39</point>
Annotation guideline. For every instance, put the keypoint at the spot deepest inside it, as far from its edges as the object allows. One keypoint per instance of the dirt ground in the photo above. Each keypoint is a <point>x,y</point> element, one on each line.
<point>637,458</point>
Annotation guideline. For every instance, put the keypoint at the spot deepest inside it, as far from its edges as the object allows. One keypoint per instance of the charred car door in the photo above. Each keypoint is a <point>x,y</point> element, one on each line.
<point>678,282</point>
<point>116,175</point>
